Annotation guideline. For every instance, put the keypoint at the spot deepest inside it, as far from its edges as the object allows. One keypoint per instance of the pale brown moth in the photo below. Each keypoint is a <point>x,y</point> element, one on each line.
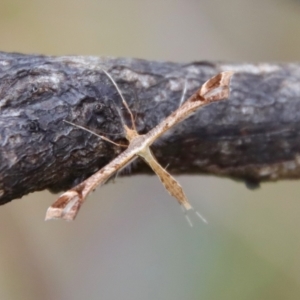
<point>69,203</point>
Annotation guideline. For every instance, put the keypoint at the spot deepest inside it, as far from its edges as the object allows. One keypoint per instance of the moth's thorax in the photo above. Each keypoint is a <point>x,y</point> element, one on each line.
<point>138,142</point>
<point>130,134</point>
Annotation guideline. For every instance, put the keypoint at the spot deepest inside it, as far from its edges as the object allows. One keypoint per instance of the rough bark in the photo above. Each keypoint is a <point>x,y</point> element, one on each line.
<point>252,136</point>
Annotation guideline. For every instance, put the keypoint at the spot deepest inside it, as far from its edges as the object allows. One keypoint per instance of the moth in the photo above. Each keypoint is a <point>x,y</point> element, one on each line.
<point>68,204</point>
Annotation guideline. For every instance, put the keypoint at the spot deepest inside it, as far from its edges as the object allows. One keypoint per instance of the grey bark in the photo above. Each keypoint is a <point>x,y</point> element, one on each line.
<point>252,136</point>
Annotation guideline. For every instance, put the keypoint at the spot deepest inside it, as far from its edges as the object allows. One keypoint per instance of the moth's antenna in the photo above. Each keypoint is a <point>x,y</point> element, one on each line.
<point>123,99</point>
<point>90,131</point>
<point>183,93</point>
<point>136,106</point>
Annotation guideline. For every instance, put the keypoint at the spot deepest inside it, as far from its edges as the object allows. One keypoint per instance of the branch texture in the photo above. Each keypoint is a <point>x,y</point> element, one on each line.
<point>252,136</point>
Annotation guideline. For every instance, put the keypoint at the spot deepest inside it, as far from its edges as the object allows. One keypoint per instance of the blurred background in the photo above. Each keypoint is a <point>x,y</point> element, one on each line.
<point>128,241</point>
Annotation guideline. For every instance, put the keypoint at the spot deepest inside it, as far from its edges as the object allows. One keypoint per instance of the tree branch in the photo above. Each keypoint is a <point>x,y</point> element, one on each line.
<point>253,136</point>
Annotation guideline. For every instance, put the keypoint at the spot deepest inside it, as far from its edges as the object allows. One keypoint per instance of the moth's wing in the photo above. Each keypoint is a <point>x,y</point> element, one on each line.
<point>214,89</point>
<point>217,87</point>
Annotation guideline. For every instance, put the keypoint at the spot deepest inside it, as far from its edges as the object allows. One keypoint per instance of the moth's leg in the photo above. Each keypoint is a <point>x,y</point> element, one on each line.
<point>183,95</point>
<point>94,133</point>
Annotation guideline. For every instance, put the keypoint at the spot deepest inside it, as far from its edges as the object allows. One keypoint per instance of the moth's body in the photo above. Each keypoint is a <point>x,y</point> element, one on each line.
<point>69,203</point>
